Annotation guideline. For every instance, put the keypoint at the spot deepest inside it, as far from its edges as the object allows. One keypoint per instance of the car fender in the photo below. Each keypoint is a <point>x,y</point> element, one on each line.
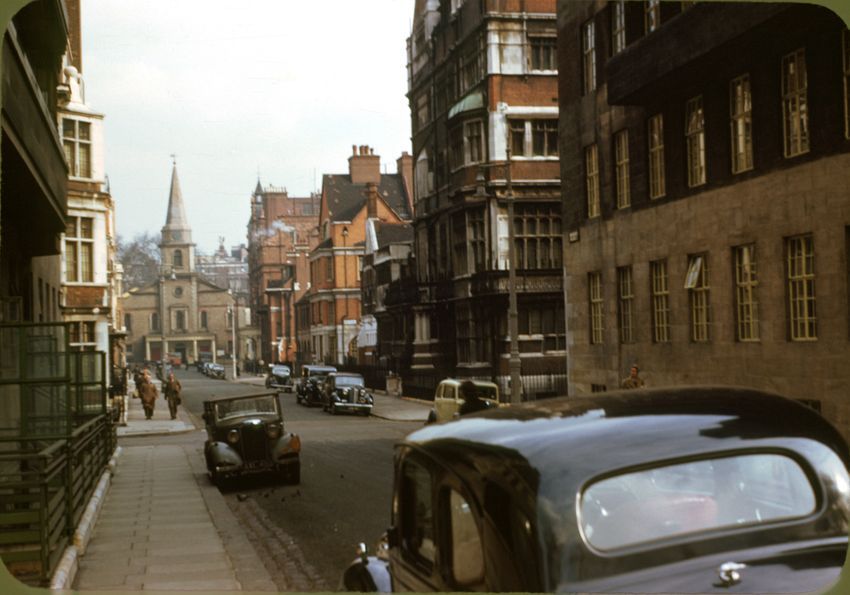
<point>283,445</point>
<point>372,575</point>
<point>221,452</point>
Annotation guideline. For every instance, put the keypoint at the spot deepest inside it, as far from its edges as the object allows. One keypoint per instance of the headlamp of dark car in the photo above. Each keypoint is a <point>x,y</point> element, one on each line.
<point>273,431</point>
<point>233,436</point>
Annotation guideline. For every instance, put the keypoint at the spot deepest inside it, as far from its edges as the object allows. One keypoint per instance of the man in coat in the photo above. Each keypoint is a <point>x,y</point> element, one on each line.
<point>632,380</point>
<point>148,393</point>
<point>172,394</point>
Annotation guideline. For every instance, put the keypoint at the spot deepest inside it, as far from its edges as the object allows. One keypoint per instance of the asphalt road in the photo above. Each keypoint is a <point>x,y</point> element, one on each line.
<point>345,490</point>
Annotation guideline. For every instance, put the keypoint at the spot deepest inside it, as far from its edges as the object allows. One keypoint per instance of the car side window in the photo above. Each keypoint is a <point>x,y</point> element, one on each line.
<point>417,528</point>
<point>466,553</point>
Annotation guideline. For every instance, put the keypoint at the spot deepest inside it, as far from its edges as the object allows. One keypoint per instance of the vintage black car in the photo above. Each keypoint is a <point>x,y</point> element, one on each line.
<point>309,389</point>
<point>346,392</point>
<point>279,377</point>
<point>681,490</point>
<point>246,436</point>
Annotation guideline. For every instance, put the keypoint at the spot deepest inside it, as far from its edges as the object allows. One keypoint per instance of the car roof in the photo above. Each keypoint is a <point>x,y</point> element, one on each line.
<point>458,382</point>
<point>318,368</point>
<point>634,426</point>
<point>338,374</point>
<point>241,397</point>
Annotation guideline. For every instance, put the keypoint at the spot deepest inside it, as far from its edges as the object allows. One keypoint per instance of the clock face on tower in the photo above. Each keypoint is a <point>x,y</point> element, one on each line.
<point>176,236</point>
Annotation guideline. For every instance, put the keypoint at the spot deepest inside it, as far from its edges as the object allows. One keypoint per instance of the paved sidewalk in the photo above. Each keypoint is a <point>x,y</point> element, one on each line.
<point>386,406</point>
<point>161,422</point>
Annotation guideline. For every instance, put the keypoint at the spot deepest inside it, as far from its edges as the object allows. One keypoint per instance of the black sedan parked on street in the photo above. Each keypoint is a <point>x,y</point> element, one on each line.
<point>246,436</point>
<point>679,490</point>
<point>343,391</point>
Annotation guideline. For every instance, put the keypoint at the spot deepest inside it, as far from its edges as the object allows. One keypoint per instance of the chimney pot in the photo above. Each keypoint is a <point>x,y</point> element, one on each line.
<point>354,149</point>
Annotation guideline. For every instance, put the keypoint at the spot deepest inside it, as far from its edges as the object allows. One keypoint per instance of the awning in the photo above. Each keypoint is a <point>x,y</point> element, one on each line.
<point>467,104</point>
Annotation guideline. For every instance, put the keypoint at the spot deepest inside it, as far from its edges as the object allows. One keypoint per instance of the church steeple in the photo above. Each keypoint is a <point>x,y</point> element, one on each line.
<point>176,247</point>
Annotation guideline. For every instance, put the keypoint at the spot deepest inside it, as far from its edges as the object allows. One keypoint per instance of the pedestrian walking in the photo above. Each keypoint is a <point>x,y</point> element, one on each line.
<point>148,393</point>
<point>632,380</point>
<point>172,394</point>
<point>471,401</point>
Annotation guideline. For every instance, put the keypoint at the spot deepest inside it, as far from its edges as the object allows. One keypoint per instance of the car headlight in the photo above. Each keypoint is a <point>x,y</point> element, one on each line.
<point>295,443</point>
<point>273,431</point>
<point>233,436</point>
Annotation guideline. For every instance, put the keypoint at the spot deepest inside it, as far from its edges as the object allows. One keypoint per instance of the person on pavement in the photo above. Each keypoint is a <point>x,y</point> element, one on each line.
<point>632,380</point>
<point>148,393</point>
<point>172,394</point>
<point>471,401</point>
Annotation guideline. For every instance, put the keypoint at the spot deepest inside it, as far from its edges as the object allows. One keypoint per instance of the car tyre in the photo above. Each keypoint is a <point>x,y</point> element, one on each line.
<point>432,417</point>
<point>333,409</point>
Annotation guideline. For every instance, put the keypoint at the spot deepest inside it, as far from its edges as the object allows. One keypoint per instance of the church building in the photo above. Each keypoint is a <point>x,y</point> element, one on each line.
<point>181,314</point>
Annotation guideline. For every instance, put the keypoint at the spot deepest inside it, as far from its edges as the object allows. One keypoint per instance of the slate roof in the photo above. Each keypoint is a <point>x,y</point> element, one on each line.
<point>393,233</point>
<point>345,199</point>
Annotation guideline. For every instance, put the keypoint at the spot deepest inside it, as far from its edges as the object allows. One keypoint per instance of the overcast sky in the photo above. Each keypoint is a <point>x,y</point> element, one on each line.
<point>283,87</point>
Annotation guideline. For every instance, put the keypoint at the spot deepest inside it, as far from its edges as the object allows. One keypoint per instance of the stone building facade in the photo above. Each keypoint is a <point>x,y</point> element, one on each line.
<point>181,313</point>
<point>483,93</point>
<point>705,152</point>
<point>282,231</point>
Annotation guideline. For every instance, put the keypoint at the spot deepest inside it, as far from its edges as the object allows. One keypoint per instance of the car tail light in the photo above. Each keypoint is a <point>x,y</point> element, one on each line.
<point>295,443</point>
<point>233,436</point>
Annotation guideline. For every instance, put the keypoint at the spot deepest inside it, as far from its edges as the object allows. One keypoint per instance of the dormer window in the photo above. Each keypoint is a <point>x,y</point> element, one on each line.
<point>76,140</point>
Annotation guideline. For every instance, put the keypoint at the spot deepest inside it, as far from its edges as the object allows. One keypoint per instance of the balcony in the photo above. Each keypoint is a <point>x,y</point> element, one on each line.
<point>678,42</point>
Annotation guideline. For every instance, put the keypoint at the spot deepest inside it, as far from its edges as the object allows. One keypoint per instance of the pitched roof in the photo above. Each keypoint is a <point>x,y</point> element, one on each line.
<point>393,233</point>
<point>345,199</point>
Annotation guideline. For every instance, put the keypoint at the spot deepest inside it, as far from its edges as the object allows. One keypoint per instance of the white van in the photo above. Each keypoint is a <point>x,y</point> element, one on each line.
<point>447,399</point>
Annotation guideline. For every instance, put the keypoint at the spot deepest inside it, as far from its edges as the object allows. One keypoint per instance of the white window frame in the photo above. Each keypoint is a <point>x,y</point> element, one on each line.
<point>530,128</point>
<point>657,174</point>
<point>695,142</point>
<point>697,284</point>
<point>468,127</point>
<point>83,335</point>
<point>741,123</point>
<point>597,320</point>
<point>746,293</point>
<point>540,45</point>
<point>588,51</point>
<point>800,279</point>
<point>75,145</point>
<point>795,107</point>
<point>660,297</point>
<point>79,244</point>
<point>626,303</point>
<point>621,166</point>
<point>618,26</point>
<point>651,16</point>
<point>591,172</point>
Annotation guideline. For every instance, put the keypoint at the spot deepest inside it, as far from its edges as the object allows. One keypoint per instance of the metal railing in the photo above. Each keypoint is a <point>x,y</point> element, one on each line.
<point>56,438</point>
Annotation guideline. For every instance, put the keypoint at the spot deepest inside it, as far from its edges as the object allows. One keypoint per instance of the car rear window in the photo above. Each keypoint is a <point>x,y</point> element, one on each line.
<point>693,497</point>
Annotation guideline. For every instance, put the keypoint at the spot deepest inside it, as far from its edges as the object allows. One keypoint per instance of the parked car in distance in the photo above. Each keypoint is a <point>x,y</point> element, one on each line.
<point>447,398</point>
<point>309,389</point>
<point>215,371</point>
<point>280,377</point>
<point>344,391</point>
<point>676,490</point>
<point>246,436</point>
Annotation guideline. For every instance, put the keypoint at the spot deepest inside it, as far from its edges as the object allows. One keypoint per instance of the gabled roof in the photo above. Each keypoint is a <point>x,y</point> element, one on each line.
<point>345,199</point>
<point>393,233</point>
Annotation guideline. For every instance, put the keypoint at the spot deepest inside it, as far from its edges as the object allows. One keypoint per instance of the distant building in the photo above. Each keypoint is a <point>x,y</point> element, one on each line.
<point>226,269</point>
<point>331,308</point>
<point>483,93</point>
<point>282,231</point>
<point>705,160</point>
<point>181,313</point>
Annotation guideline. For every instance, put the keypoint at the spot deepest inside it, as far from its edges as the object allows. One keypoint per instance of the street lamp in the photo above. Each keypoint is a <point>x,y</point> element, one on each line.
<point>343,351</point>
<point>173,277</point>
<point>232,312</point>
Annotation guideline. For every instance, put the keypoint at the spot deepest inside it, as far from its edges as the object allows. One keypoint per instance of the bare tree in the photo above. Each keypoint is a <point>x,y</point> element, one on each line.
<point>140,258</point>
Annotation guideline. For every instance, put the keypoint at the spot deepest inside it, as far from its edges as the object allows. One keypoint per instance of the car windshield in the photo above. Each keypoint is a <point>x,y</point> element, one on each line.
<point>487,392</point>
<point>280,371</point>
<point>245,407</point>
<point>349,381</point>
<point>692,497</point>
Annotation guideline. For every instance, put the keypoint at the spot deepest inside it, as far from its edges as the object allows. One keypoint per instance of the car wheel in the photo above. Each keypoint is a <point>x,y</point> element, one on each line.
<point>432,417</point>
<point>333,409</point>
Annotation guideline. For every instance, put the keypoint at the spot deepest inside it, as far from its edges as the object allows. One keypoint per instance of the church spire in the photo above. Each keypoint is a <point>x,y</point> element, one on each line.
<point>177,229</point>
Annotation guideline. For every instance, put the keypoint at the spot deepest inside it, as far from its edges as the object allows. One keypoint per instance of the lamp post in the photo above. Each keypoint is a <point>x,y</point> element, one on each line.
<point>514,364</point>
<point>232,311</point>
<point>343,350</point>
<point>162,346</point>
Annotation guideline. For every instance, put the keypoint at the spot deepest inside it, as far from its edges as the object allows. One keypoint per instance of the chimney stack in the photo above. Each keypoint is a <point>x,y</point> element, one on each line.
<point>371,200</point>
<point>364,166</point>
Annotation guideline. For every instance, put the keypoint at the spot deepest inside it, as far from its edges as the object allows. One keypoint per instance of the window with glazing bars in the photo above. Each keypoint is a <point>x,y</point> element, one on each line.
<point>79,250</point>
<point>656,157</point>
<point>459,254</point>
<point>800,271</point>
<point>477,239</point>
<point>588,49</point>
<point>591,166</point>
<point>626,303</point>
<point>543,55</point>
<point>76,141</point>
<point>594,286</point>
<point>741,122</point>
<point>845,42</point>
<point>621,160</point>
<point>795,109</point>
<point>746,292</point>
<point>660,297</point>
<point>537,234</point>
<point>473,133</point>
<point>618,27</point>
<point>695,141</point>
<point>81,336</point>
<point>697,284</point>
<point>651,15</point>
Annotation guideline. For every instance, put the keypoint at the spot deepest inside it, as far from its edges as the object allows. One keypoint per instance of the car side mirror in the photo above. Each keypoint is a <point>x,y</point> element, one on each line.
<point>392,537</point>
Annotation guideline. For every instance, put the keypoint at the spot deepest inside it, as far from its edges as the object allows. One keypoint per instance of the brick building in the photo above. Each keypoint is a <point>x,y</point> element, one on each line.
<point>483,93</point>
<point>181,312</point>
<point>282,232</point>
<point>704,162</point>
<point>329,314</point>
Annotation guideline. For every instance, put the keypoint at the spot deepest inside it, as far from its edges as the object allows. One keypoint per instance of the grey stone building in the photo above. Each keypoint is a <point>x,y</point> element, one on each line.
<point>180,313</point>
<point>705,168</point>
